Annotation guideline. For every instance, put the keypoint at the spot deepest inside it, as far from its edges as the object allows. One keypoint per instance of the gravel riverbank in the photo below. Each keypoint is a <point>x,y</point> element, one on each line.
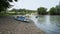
<point>10,26</point>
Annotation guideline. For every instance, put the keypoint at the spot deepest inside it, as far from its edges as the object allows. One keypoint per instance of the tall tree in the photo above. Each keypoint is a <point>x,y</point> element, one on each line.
<point>42,10</point>
<point>55,10</point>
<point>58,9</point>
<point>52,11</point>
<point>4,4</point>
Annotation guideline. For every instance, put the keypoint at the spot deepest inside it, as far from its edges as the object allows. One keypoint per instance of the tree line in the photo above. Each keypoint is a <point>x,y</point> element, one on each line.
<point>4,5</point>
<point>52,11</point>
<point>21,11</point>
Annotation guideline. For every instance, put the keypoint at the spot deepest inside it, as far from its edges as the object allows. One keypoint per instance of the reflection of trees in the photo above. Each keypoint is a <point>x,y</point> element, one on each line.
<point>41,19</point>
<point>55,19</point>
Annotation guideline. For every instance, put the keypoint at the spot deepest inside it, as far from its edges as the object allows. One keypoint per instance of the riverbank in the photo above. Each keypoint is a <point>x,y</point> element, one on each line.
<point>10,26</point>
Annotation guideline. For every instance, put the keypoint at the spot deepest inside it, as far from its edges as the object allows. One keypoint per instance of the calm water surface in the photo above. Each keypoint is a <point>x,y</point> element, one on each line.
<point>48,24</point>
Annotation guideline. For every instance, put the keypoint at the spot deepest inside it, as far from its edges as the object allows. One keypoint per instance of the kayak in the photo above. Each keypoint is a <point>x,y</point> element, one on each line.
<point>22,18</point>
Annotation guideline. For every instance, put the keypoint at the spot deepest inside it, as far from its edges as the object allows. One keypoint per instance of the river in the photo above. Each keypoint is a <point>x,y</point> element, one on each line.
<point>48,24</point>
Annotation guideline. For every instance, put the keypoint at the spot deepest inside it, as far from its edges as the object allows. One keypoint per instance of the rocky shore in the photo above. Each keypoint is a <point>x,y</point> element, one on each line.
<point>10,26</point>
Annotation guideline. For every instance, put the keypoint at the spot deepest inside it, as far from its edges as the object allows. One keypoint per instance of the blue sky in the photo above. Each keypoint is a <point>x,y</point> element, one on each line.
<point>34,4</point>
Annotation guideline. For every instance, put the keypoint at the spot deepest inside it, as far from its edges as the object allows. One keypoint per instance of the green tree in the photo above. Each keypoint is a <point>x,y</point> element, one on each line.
<point>41,11</point>
<point>52,11</point>
<point>4,4</point>
<point>58,9</point>
<point>55,10</point>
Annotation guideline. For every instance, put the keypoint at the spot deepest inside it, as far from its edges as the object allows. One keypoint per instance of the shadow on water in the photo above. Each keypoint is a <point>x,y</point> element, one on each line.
<point>48,24</point>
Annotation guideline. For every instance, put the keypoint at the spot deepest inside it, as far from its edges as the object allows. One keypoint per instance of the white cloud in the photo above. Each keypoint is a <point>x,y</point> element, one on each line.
<point>34,4</point>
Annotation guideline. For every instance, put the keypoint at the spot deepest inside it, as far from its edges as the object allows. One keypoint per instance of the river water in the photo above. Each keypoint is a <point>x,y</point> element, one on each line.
<point>48,24</point>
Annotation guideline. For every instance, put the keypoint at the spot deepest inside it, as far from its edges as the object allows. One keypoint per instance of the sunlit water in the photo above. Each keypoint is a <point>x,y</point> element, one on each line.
<point>48,24</point>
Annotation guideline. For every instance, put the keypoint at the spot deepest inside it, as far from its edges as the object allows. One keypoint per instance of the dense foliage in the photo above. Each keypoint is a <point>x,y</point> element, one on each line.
<point>20,12</point>
<point>42,11</point>
<point>52,11</point>
<point>55,10</point>
<point>4,4</point>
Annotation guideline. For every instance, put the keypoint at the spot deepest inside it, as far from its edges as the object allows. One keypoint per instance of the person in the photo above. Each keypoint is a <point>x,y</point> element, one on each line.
<point>36,16</point>
<point>17,16</point>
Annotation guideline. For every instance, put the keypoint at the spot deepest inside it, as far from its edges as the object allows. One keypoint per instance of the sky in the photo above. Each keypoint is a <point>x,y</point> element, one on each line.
<point>34,4</point>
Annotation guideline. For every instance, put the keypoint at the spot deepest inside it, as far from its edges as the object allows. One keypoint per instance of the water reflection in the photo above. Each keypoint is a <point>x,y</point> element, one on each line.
<point>49,24</point>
